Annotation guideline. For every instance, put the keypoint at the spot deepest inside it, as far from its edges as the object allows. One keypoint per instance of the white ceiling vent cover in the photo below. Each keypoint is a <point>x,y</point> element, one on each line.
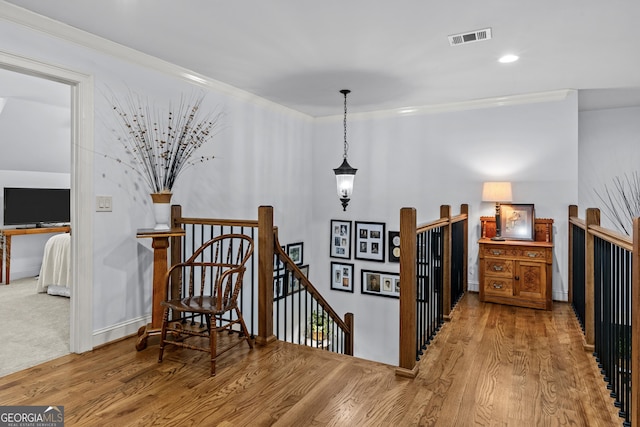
<point>470,37</point>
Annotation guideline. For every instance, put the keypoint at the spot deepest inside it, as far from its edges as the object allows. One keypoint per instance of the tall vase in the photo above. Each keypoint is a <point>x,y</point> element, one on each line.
<point>162,210</point>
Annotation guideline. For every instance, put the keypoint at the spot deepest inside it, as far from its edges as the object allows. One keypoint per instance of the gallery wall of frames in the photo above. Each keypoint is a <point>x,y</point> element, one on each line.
<point>364,241</point>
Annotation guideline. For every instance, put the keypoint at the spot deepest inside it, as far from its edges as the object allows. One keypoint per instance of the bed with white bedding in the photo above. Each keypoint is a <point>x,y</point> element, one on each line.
<point>55,273</point>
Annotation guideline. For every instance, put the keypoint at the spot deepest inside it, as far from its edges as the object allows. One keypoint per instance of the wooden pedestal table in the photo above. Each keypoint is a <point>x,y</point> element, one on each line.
<point>160,244</point>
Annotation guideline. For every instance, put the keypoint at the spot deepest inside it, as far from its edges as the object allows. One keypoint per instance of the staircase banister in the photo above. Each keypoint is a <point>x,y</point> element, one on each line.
<point>223,222</point>
<point>431,225</point>
<point>284,257</point>
<point>613,237</point>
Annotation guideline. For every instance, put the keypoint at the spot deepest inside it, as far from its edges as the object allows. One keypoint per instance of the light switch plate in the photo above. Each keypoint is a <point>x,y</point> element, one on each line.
<point>103,204</point>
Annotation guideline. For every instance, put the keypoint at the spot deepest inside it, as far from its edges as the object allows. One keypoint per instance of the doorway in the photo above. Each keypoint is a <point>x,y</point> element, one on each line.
<point>81,123</point>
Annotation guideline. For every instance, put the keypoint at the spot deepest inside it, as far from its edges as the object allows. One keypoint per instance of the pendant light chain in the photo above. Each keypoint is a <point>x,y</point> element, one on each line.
<point>346,144</point>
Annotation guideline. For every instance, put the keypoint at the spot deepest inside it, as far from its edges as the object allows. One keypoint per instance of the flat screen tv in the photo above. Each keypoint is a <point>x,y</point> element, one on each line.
<point>36,206</point>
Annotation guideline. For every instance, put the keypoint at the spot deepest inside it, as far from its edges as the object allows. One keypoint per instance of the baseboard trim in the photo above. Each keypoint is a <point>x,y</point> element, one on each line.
<point>118,331</point>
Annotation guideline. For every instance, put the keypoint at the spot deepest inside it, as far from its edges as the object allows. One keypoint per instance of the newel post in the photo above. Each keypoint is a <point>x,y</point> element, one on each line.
<point>348,346</point>
<point>573,213</point>
<point>635,326</point>
<point>265,275</point>
<point>445,213</point>
<point>592,217</point>
<point>464,210</point>
<point>408,351</point>
<point>175,253</point>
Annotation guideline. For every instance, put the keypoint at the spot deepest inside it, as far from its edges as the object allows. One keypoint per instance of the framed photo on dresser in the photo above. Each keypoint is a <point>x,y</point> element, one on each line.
<point>517,221</point>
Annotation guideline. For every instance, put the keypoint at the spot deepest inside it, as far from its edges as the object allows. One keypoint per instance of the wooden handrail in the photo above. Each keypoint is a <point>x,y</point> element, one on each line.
<point>612,237</point>
<point>284,257</point>
<point>223,222</point>
<point>431,225</point>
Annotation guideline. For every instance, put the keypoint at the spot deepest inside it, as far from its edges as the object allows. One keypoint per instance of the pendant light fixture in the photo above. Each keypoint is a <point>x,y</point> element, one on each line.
<point>345,174</point>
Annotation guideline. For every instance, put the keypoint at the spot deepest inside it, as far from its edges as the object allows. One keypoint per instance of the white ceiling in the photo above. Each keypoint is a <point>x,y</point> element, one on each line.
<point>391,54</point>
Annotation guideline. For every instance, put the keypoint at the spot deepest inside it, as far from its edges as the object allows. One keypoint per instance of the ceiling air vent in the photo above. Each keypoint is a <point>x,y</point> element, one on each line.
<point>470,37</point>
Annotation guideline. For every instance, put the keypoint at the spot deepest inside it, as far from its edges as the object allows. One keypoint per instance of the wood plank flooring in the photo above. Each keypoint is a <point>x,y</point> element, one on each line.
<point>492,365</point>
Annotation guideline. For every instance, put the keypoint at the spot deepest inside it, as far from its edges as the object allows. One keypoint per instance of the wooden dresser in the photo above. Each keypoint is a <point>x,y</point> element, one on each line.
<point>516,272</point>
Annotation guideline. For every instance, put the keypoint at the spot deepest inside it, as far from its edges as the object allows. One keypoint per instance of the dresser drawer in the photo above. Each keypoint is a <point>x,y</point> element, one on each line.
<point>497,251</point>
<point>532,253</point>
<point>498,286</point>
<point>498,267</point>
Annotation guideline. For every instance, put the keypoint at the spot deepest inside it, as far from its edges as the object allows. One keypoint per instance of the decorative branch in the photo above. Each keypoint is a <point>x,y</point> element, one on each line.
<point>161,145</point>
<point>622,202</point>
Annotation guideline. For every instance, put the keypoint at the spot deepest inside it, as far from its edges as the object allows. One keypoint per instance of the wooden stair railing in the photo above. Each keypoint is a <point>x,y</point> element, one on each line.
<point>343,326</point>
<point>257,294</point>
<point>416,329</point>
<point>607,295</point>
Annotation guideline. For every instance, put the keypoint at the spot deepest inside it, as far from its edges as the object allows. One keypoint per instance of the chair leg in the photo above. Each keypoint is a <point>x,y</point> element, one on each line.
<point>213,342</point>
<point>245,331</point>
<point>163,334</point>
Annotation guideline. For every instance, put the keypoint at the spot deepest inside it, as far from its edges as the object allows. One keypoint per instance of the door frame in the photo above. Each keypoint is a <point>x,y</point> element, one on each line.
<point>82,152</point>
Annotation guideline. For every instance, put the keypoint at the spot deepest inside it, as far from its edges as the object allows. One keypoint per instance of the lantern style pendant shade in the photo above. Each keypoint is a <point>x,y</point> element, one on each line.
<point>345,174</point>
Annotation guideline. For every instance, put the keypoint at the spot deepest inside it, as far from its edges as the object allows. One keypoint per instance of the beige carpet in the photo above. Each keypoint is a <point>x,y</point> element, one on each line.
<point>35,327</point>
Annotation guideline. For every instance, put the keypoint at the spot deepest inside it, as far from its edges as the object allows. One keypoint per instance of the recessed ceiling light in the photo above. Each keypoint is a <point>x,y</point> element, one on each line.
<point>508,58</point>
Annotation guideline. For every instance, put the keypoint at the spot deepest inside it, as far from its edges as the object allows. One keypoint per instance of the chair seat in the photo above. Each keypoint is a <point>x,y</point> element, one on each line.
<point>196,304</point>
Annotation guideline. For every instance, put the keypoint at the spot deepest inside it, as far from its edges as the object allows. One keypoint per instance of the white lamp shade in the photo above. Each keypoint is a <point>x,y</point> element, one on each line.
<point>496,192</point>
<point>345,185</point>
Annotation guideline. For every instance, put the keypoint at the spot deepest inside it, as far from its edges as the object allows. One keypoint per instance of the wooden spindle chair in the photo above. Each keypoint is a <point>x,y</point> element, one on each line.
<point>213,276</point>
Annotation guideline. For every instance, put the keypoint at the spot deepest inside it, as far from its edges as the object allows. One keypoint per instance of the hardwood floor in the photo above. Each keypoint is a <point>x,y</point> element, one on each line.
<point>492,365</point>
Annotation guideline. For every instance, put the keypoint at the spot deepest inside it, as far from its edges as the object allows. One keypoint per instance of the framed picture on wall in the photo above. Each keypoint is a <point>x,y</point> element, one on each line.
<point>294,250</point>
<point>340,246</point>
<point>370,241</point>
<point>342,276</point>
<point>295,282</point>
<point>380,283</point>
<point>279,287</point>
<point>278,265</point>
<point>517,221</point>
<point>394,246</point>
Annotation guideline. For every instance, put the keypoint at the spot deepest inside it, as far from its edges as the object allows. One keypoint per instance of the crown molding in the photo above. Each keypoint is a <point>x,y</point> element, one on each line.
<point>51,27</point>
<point>501,101</point>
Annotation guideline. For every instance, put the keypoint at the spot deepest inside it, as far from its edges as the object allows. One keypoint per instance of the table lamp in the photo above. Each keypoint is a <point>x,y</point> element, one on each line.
<point>496,192</point>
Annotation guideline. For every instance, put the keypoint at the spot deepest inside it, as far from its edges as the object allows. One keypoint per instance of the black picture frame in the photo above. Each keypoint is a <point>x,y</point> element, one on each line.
<point>296,252</point>
<point>294,283</point>
<point>278,265</point>
<point>380,283</point>
<point>517,221</point>
<point>279,287</point>
<point>370,238</point>
<point>342,276</point>
<point>340,244</point>
<point>394,246</point>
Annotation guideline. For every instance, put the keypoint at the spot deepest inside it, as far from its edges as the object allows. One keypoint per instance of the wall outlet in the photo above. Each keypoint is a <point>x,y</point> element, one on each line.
<point>103,204</point>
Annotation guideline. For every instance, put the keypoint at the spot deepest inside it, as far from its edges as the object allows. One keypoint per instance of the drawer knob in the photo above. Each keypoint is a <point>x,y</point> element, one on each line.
<point>495,252</point>
<point>497,286</point>
<point>532,254</point>
<point>497,268</point>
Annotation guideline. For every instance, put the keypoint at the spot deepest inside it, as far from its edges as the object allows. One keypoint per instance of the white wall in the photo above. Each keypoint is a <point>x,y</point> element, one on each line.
<point>426,160</point>
<point>609,148</point>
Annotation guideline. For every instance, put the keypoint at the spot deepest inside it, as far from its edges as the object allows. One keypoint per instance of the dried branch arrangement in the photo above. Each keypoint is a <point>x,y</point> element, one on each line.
<point>622,201</point>
<point>162,144</point>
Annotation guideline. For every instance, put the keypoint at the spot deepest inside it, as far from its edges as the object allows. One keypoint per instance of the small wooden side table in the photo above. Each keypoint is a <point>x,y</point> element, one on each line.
<point>160,244</point>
